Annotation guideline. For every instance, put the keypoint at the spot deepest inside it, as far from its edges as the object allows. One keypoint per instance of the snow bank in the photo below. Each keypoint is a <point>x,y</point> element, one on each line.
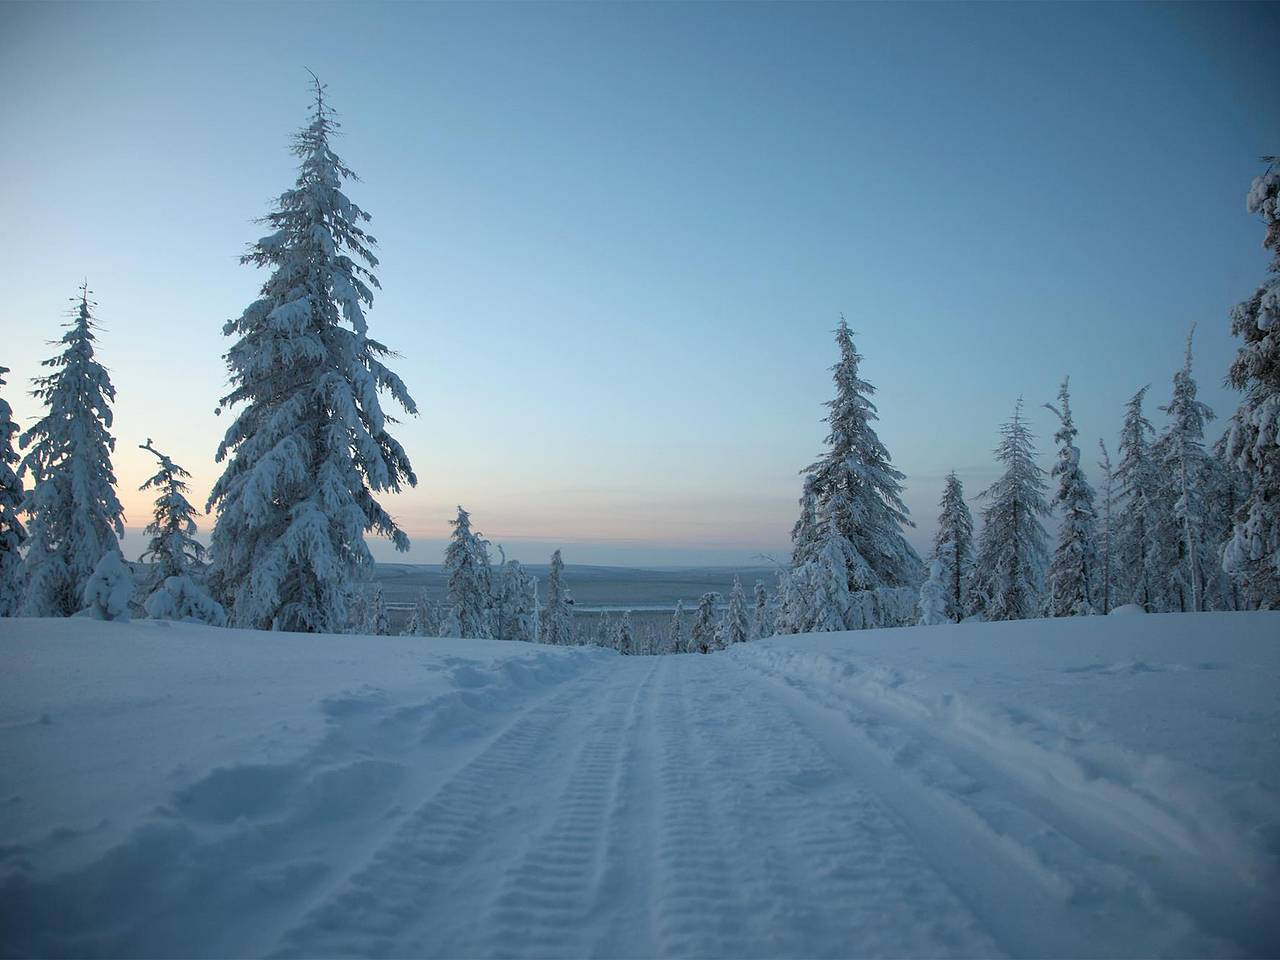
<point>1085,787</point>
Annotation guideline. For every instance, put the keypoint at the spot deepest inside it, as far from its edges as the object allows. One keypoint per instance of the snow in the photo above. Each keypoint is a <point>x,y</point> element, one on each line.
<point>1090,786</point>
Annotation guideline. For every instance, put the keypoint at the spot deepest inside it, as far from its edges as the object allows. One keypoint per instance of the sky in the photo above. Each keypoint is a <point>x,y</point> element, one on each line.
<point>615,239</point>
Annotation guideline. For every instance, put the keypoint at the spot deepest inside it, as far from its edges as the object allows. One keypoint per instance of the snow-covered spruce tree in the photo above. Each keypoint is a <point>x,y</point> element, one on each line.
<point>517,603</point>
<point>376,621</point>
<point>108,593</point>
<point>676,642</point>
<point>1253,554</point>
<point>827,579</point>
<point>424,621</point>
<point>177,590</point>
<point>310,447</point>
<point>469,595</point>
<point>760,626</point>
<point>74,516</point>
<point>557,615</point>
<point>1009,570</point>
<point>737,627</point>
<point>953,547</point>
<point>1106,533</point>
<point>1135,480</point>
<point>702,635</point>
<point>855,482</point>
<point>1226,492</point>
<point>795,604</point>
<point>1073,569</point>
<point>933,596</point>
<point>12,533</point>
<point>1178,539</point>
<point>624,640</point>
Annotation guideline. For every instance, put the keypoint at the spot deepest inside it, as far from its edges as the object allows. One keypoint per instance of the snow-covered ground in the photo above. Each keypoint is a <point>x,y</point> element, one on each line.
<point>1087,787</point>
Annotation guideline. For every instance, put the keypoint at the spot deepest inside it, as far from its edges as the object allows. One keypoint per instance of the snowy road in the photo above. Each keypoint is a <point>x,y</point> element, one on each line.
<point>773,801</point>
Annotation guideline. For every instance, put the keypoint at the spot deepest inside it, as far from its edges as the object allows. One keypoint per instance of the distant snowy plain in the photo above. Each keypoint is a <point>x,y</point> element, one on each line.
<point>1084,787</point>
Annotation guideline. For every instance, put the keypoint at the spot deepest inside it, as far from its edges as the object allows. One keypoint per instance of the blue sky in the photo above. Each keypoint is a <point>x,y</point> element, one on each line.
<point>615,238</point>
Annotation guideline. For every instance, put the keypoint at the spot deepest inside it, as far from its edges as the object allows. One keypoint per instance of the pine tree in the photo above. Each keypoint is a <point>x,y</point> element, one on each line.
<point>760,627</point>
<point>424,621</point>
<point>933,596</point>
<point>737,627</point>
<point>1073,570</point>
<point>173,547</point>
<point>376,621</point>
<point>953,548</point>
<point>1178,545</point>
<point>1253,554</point>
<point>676,642</point>
<point>1135,480</point>
<point>177,590</point>
<point>855,482</point>
<point>624,639</point>
<point>557,615</point>
<point>469,595</point>
<point>830,603</point>
<point>12,533</point>
<point>702,635</point>
<point>108,593</point>
<point>517,604</point>
<point>1226,491</point>
<point>310,447</point>
<point>1009,571</point>
<point>795,604</point>
<point>1106,535</point>
<point>74,516</point>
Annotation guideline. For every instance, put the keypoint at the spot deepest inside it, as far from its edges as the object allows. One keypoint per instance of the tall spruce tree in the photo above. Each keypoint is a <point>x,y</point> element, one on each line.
<point>1135,480</point>
<point>177,590</point>
<point>74,516</point>
<point>1073,569</point>
<point>310,447</point>
<point>12,533</point>
<point>469,595</point>
<point>557,615</point>
<point>1179,548</point>
<point>953,548</point>
<point>855,482</point>
<point>1106,533</point>
<point>1009,570</point>
<point>1253,554</point>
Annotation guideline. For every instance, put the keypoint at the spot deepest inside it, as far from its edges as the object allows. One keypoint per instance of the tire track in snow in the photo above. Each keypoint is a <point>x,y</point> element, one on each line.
<point>698,904</point>
<point>406,899</point>
<point>568,875</point>
<point>1018,874</point>
<point>822,869</point>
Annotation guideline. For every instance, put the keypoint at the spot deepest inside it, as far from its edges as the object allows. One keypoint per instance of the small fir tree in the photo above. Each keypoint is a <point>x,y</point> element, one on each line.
<point>953,547</point>
<point>1009,571</point>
